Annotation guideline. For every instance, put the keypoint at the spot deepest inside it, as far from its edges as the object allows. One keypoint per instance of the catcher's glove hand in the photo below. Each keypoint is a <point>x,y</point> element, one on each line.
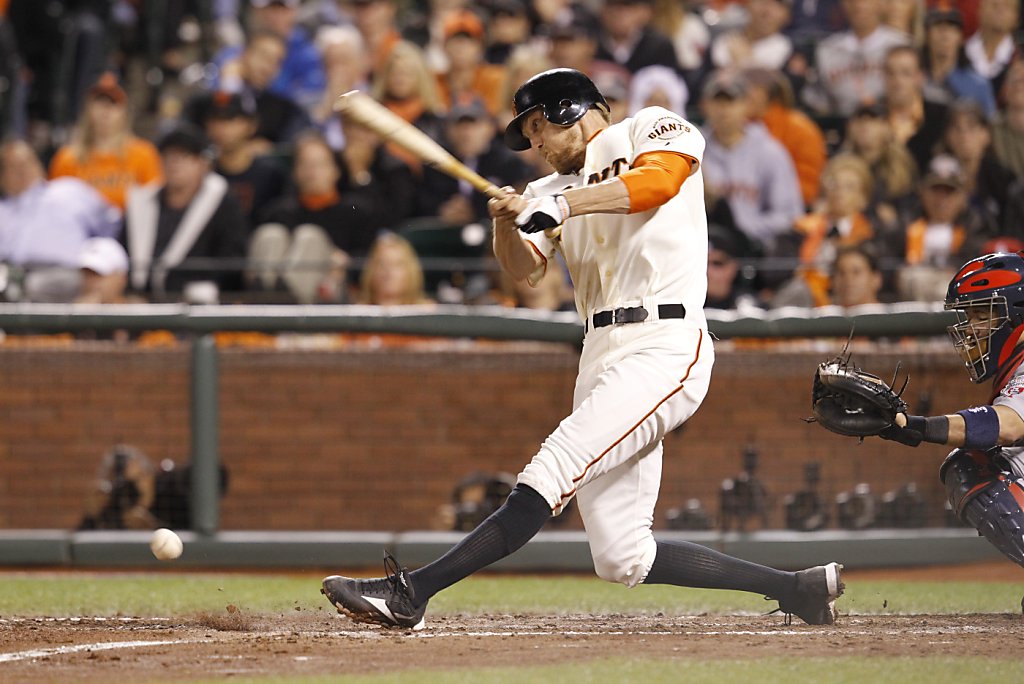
<point>848,401</point>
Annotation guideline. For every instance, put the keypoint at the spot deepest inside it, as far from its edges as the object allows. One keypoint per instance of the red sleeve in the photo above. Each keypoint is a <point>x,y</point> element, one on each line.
<point>655,178</point>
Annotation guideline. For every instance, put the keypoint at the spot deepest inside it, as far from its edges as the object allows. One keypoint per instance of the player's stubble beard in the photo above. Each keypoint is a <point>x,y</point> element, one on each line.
<point>566,151</point>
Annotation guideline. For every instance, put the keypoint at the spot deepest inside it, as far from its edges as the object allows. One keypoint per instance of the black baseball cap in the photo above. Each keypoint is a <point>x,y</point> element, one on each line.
<point>472,110</point>
<point>725,84</point>
<point>224,105</point>
<point>186,138</point>
<point>944,15</point>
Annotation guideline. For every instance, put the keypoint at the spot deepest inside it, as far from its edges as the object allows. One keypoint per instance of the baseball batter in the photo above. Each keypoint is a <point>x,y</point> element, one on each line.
<point>625,208</point>
<point>984,475</point>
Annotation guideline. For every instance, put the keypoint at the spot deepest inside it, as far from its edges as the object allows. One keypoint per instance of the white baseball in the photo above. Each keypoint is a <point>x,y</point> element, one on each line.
<point>166,545</point>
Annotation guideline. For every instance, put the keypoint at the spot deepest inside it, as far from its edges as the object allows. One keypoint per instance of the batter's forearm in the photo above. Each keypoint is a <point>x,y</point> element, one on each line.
<point>608,197</point>
<point>517,257</point>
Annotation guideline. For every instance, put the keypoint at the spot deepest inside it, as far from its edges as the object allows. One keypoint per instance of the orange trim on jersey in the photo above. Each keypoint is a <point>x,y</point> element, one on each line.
<point>530,279</point>
<point>655,178</point>
<point>596,133</point>
<point>320,200</point>
<point>628,432</point>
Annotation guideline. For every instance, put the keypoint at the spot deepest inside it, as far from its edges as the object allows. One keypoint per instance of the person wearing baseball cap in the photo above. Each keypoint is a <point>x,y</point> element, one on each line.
<point>189,216</point>
<point>949,74</point>
<point>103,151</point>
<point>464,41</point>
<point>255,181</point>
<point>104,265</point>
<point>945,232</point>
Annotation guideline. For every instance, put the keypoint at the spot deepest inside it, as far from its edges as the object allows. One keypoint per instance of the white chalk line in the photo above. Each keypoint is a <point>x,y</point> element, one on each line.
<point>65,650</point>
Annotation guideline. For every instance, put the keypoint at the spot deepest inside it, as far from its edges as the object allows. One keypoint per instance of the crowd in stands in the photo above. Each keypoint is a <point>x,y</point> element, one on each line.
<point>857,150</point>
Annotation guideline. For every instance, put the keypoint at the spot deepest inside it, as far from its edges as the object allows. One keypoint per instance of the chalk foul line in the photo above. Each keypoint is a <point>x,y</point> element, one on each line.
<point>65,650</point>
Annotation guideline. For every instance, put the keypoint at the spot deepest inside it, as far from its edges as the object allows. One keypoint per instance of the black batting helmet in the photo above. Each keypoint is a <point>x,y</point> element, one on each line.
<point>564,95</point>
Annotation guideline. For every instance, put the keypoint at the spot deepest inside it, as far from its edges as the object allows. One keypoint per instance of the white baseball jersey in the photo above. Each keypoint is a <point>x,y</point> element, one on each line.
<point>657,256</point>
<point>637,381</point>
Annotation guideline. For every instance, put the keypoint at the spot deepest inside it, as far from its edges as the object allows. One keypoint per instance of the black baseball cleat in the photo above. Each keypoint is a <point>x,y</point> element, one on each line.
<point>813,598</point>
<point>387,601</point>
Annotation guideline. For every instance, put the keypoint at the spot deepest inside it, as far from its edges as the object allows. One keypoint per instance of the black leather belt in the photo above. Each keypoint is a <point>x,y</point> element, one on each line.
<point>635,314</point>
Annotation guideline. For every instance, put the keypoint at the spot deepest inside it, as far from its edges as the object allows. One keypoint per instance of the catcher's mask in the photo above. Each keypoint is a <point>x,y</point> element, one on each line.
<point>987,295</point>
<point>564,95</point>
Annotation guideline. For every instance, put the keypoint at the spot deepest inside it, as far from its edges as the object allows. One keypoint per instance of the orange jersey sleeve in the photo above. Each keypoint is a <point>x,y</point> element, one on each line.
<point>655,178</point>
<point>63,163</point>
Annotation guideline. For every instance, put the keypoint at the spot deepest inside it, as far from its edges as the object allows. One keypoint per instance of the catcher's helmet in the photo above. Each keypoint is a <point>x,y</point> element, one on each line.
<point>987,294</point>
<point>565,95</point>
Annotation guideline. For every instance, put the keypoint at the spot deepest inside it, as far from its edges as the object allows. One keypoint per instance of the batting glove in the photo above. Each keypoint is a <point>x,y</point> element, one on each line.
<point>543,213</point>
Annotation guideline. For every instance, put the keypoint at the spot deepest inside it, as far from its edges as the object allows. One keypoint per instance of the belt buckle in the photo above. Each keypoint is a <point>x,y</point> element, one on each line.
<point>618,315</point>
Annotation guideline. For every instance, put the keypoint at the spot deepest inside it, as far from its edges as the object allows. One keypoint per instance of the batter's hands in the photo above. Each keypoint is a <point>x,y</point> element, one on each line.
<point>543,213</point>
<point>506,208</point>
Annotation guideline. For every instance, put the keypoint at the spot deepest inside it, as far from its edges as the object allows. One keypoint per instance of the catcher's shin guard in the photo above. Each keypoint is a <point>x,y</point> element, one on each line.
<point>988,499</point>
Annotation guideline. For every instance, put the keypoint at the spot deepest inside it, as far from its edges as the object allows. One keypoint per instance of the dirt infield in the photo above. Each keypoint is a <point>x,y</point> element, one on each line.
<point>316,641</point>
<point>232,644</point>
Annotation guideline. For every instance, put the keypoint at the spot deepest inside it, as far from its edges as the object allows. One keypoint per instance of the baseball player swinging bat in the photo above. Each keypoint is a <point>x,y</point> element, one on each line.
<point>366,111</point>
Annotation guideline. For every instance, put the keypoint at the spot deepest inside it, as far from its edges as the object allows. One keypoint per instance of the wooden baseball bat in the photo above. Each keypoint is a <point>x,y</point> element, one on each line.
<point>366,111</point>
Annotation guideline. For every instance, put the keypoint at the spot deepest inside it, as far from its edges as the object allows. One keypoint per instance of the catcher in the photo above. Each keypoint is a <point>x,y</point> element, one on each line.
<point>984,474</point>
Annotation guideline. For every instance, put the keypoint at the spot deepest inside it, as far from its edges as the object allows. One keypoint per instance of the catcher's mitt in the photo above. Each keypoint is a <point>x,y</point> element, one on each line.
<point>848,401</point>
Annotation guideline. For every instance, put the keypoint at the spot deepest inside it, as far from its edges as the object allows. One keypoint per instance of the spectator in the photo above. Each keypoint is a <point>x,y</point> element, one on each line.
<point>814,21</point>
<point>728,288</point>
<point>658,86</point>
<point>747,166</point>
<point>856,277</point>
<point>840,220</point>
<point>405,86</point>
<point>894,172</point>
<point>347,67</point>
<point>686,29</point>
<point>301,237</point>
<point>628,38</point>
<point>761,42</point>
<point>574,39</point>
<point>907,17</point>
<point>949,75</point>
<point>376,20</point>
<point>943,235</point>
<point>992,48</point>
<point>849,64</point>
<point>509,27</point>
<point>44,225</point>
<point>301,77</point>
<point>1008,130</point>
<point>280,119</point>
<point>468,76</point>
<point>772,102</point>
<point>253,180</point>
<point>968,137</point>
<point>103,152</point>
<point>104,272</point>
<point>915,121</point>
<point>470,135</point>
<point>393,275</point>
<point>190,217</point>
<point>374,179</point>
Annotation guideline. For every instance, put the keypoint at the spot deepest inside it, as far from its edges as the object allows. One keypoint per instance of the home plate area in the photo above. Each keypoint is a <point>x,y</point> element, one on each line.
<point>318,642</point>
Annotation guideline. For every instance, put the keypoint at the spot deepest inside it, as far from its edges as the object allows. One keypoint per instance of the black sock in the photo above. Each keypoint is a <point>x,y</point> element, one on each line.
<point>506,530</point>
<point>685,564</point>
